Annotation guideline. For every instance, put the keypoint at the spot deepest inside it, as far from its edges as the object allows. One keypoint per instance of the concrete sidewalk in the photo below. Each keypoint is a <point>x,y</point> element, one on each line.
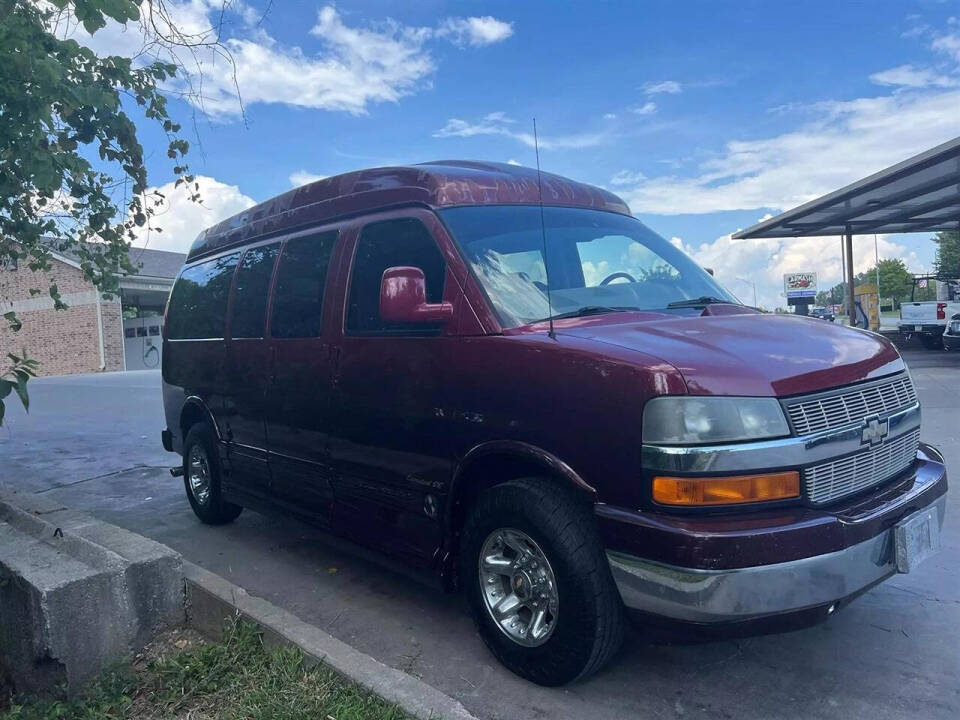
<point>890,654</point>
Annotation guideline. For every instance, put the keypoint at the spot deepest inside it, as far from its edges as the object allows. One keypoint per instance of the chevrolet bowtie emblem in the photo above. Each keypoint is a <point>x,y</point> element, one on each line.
<point>874,431</point>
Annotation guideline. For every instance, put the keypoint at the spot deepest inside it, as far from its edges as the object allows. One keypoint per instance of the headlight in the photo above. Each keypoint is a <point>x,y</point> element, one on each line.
<point>691,420</point>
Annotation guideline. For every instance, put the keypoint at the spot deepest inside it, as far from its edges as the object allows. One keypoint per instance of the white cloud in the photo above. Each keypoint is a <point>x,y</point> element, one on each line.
<point>648,108</point>
<point>512,161</point>
<point>849,140</point>
<point>476,31</point>
<point>303,177</point>
<point>610,116</point>
<point>738,263</point>
<point>842,142</point>
<point>182,220</point>
<point>358,66</point>
<point>913,77</point>
<point>627,177</point>
<point>498,123</point>
<point>670,87</point>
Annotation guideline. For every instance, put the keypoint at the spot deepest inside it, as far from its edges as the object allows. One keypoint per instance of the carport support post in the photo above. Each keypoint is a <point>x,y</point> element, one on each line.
<point>848,253</point>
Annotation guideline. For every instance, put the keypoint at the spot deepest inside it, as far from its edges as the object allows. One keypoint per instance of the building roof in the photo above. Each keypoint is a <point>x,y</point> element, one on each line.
<point>152,263</point>
<point>920,194</point>
<point>157,263</point>
<point>442,183</point>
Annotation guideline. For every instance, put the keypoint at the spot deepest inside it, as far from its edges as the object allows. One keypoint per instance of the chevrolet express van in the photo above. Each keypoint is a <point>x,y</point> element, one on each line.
<point>549,405</point>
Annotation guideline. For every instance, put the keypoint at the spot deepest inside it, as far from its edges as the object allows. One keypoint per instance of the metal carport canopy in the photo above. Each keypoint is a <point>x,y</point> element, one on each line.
<point>920,194</point>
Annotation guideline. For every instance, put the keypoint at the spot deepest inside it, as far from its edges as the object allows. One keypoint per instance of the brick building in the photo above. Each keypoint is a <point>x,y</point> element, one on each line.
<point>92,334</point>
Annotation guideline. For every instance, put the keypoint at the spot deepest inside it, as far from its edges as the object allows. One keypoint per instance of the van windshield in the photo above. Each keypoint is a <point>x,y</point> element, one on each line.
<point>597,262</point>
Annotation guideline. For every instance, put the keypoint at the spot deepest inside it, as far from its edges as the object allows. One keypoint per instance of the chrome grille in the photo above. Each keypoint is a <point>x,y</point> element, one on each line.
<point>850,405</point>
<point>839,478</point>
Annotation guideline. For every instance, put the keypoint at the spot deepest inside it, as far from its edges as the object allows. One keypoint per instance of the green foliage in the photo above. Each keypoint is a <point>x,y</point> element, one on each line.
<point>895,280</point>
<point>15,380</point>
<point>237,678</point>
<point>72,173</point>
<point>946,262</point>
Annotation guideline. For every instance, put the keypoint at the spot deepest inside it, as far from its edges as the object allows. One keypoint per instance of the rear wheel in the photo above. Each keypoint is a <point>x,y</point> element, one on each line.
<point>538,582</point>
<point>202,475</point>
<point>931,342</point>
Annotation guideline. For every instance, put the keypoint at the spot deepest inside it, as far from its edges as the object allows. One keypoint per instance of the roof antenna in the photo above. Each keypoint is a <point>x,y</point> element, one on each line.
<point>543,231</point>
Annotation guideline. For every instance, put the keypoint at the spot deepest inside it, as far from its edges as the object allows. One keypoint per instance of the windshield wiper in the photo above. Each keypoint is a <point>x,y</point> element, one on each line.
<point>699,302</point>
<point>585,311</point>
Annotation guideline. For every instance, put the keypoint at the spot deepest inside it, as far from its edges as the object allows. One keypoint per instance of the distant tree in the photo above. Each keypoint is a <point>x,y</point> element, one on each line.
<point>947,259</point>
<point>823,298</point>
<point>895,280</point>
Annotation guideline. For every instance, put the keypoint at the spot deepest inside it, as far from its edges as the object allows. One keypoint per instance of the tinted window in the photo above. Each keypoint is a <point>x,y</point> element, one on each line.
<point>298,296</point>
<point>385,245</point>
<point>198,303</point>
<point>250,291</point>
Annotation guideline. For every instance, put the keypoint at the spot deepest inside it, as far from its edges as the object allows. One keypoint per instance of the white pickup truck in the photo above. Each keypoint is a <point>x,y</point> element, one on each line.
<point>927,320</point>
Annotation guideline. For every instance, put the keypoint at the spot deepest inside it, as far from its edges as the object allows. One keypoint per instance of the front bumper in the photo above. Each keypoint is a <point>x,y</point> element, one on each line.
<point>794,562</point>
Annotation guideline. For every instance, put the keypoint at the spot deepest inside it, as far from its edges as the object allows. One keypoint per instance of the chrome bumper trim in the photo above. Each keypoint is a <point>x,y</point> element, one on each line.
<point>695,595</point>
<point>793,452</point>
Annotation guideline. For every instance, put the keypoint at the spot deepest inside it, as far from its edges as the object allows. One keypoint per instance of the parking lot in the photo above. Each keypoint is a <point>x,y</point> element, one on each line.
<point>92,442</point>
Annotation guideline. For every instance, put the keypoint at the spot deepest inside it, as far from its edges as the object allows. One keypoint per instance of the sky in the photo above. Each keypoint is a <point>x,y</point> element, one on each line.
<point>703,116</point>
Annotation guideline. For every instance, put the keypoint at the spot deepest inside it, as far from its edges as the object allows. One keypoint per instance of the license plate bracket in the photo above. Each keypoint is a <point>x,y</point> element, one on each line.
<point>916,538</point>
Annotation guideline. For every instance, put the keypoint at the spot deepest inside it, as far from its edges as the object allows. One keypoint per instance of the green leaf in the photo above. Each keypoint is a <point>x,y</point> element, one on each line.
<point>5,387</point>
<point>21,388</point>
<point>13,320</point>
<point>3,409</point>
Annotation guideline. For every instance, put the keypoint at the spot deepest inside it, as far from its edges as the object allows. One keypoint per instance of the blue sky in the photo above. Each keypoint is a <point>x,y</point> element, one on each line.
<point>704,116</point>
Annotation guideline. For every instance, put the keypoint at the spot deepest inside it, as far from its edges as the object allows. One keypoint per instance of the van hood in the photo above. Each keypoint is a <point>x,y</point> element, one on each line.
<point>747,353</point>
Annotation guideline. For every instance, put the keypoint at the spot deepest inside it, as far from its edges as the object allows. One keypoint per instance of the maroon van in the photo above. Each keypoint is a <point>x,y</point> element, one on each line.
<point>550,406</point>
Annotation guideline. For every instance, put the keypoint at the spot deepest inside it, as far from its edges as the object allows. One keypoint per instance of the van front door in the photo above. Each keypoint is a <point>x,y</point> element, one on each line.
<point>389,444</point>
<point>299,401</point>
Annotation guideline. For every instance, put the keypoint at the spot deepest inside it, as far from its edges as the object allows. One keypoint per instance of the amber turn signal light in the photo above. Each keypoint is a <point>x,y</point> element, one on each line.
<point>730,490</point>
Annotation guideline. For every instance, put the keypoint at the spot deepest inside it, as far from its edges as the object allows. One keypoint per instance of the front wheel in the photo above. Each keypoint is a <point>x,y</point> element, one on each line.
<point>538,582</point>
<point>202,475</point>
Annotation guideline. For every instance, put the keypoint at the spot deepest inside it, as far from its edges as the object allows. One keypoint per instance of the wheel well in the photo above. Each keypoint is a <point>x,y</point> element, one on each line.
<point>495,469</point>
<point>192,414</point>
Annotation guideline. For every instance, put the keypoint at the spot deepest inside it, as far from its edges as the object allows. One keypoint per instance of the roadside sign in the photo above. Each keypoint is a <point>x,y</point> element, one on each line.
<point>800,285</point>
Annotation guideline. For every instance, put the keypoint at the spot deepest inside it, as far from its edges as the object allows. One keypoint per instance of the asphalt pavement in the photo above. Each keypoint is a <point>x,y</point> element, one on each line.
<point>93,443</point>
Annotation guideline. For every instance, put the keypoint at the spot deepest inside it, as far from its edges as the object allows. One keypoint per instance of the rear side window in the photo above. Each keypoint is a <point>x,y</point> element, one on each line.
<point>384,245</point>
<point>198,303</point>
<point>301,278</point>
<point>250,291</point>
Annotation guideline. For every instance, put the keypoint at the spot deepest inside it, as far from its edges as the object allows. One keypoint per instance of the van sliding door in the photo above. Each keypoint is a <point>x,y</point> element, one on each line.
<point>299,396</point>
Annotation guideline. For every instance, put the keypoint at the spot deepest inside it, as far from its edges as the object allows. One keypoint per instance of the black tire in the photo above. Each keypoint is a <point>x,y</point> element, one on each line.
<point>211,508</point>
<point>931,342</point>
<point>589,623</point>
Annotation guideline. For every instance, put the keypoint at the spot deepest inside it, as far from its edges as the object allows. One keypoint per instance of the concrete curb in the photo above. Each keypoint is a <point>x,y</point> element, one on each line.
<point>211,600</point>
<point>77,594</point>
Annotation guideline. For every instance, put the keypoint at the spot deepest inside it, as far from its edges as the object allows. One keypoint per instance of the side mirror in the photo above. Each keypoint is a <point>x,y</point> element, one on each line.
<point>403,298</point>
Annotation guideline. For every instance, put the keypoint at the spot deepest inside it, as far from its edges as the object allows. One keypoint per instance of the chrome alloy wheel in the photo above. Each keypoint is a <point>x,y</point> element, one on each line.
<point>518,587</point>
<point>198,473</point>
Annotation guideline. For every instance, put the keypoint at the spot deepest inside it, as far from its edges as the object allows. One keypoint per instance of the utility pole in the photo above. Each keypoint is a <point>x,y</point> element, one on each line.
<point>753,285</point>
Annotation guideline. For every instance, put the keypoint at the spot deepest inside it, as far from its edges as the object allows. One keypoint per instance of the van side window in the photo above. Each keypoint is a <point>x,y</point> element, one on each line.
<point>250,291</point>
<point>198,302</point>
<point>301,278</point>
<point>383,245</point>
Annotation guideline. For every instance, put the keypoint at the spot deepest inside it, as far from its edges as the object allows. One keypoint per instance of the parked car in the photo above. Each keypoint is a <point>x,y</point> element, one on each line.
<point>951,336</point>
<point>822,313</point>
<point>550,406</point>
<point>927,320</point>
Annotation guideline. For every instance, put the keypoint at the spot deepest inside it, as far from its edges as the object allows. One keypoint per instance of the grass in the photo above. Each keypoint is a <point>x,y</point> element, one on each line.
<point>235,678</point>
